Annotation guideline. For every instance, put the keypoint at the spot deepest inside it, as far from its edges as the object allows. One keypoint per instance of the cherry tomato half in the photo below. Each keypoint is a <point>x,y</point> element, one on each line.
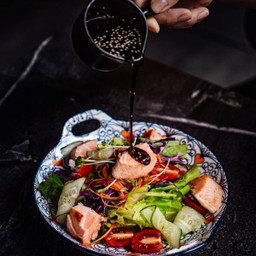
<point>85,170</point>
<point>119,237</point>
<point>171,173</point>
<point>147,241</point>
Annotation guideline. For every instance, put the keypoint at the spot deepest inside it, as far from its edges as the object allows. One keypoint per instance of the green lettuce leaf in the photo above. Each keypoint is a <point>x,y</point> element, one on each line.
<point>51,188</point>
<point>174,148</point>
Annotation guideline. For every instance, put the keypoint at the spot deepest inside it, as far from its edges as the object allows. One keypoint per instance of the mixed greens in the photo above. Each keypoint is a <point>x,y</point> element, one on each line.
<point>158,201</point>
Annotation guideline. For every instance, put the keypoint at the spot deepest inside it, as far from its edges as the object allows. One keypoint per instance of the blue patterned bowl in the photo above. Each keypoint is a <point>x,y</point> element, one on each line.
<point>198,154</point>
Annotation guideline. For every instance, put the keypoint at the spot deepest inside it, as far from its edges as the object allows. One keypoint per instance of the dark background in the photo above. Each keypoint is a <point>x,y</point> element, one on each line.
<point>59,85</point>
<point>221,49</point>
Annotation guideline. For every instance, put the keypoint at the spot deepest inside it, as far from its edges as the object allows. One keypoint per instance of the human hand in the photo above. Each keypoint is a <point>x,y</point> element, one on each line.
<point>177,14</point>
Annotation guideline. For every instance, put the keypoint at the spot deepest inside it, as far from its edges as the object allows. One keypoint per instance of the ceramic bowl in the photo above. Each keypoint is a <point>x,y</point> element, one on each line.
<point>108,127</point>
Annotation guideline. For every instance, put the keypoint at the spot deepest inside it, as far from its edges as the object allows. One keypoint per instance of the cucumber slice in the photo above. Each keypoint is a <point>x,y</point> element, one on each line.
<point>65,151</point>
<point>171,213</point>
<point>101,154</point>
<point>148,212</point>
<point>170,231</point>
<point>188,219</point>
<point>69,194</point>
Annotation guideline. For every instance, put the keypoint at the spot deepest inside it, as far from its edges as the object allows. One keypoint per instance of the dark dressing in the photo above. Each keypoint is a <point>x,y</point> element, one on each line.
<point>139,155</point>
<point>135,67</point>
<point>124,42</point>
<point>136,153</point>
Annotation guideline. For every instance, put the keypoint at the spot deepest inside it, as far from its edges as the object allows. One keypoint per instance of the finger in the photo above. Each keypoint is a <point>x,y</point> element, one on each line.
<point>153,25</point>
<point>198,14</point>
<point>173,16</point>
<point>159,6</point>
<point>141,3</point>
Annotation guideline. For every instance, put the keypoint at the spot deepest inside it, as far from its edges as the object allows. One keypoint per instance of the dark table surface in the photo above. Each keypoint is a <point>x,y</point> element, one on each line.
<point>46,87</point>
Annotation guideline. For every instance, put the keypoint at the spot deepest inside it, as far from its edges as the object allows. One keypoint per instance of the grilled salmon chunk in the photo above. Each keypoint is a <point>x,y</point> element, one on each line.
<point>207,192</point>
<point>82,149</point>
<point>128,168</point>
<point>152,134</point>
<point>83,223</point>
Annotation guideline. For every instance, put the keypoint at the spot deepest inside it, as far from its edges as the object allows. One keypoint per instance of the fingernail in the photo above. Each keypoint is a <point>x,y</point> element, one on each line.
<point>202,15</point>
<point>183,17</point>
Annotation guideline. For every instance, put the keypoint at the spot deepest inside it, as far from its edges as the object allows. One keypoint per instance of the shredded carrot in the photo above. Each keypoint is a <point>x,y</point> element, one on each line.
<point>105,234</point>
<point>121,203</point>
<point>117,186</point>
<point>112,206</point>
<point>109,183</point>
<point>208,219</point>
<point>105,196</point>
<point>105,172</point>
<point>99,182</point>
<point>87,245</point>
<point>57,162</point>
<point>124,193</point>
<point>139,183</point>
<point>152,179</point>
<point>126,184</point>
<point>159,160</point>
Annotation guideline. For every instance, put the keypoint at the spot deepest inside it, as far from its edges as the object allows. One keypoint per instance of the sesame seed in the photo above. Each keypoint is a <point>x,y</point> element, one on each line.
<point>121,41</point>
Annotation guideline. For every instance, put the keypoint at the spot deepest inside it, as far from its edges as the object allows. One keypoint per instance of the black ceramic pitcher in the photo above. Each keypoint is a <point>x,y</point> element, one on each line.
<point>102,15</point>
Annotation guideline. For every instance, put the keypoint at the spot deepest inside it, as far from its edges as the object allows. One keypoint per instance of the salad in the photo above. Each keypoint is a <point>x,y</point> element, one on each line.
<point>141,197</point>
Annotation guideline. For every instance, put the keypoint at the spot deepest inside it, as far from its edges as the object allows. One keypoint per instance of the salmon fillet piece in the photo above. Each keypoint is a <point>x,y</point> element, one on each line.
<point>207,192</point>
<point>128,168</point>
<point>152,134</point>
<point>83,223</point>
<point>82,149</point>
